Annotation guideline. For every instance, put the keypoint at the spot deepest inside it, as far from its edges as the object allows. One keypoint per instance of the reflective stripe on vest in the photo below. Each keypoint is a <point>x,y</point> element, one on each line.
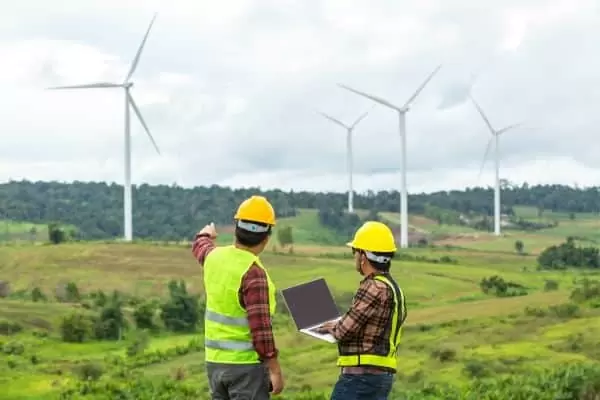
<point>398,317</point>
<point>227,337</point>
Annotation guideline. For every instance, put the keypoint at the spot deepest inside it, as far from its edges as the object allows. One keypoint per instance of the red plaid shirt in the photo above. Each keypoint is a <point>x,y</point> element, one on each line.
<point>254,298</point>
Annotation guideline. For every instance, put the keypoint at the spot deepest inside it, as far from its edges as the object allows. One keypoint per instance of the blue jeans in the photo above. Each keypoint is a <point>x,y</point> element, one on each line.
<point>363,387</point>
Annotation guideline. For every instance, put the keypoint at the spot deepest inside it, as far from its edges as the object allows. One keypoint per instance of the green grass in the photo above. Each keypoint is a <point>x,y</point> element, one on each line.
<point>482,335</point>
<point>22,231</point>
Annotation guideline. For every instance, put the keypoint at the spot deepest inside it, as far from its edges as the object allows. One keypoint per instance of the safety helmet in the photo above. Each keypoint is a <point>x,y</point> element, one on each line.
<point>256,209</point>
<point>374,236</point>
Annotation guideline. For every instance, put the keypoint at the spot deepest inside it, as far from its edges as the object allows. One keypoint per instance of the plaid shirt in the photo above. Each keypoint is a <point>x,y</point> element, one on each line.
<point>366,326</point>
<point>253,297</point>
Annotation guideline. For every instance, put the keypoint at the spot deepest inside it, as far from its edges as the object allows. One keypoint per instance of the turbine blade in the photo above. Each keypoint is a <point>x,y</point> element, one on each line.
<point>333,119</point>
<point>420,89</point>
<point>358,120</point>
<point>139,115</point>
<point>487,151</point>
<point>136,60</point>
<point>88,86</point>
<point>371,97</point>
<point>487,122</point>
<point>509,127</point>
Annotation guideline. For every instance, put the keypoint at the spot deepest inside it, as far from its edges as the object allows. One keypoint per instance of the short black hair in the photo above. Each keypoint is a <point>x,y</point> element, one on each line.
<point>251,239</point>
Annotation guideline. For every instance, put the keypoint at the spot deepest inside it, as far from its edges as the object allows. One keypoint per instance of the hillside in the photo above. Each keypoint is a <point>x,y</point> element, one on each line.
<point>174,213</point>
<point>456,334</point>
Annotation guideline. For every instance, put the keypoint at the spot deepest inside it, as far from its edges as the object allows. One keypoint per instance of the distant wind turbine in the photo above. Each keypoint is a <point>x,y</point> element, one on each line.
<point>349,130</point>
<point>496,137</point>
<point>402,129</point>
<point>126,85</point>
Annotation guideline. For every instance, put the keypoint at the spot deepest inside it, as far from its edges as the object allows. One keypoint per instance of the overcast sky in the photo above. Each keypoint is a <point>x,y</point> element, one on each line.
<point>229,90</point>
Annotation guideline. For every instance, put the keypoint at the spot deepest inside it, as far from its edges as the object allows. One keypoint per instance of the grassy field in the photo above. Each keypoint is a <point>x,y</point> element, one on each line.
<point>454,332</point>
<point>22,231</point>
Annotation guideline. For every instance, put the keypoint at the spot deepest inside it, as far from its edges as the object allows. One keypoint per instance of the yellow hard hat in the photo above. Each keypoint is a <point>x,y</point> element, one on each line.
<point>374,236</point>
<point>256,209</point>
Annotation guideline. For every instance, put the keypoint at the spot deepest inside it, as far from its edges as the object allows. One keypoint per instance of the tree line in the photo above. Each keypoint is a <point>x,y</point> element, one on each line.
<point>172,212</point>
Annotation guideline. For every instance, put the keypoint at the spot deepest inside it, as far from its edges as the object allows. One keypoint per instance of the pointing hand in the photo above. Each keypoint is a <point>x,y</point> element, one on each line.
<point>209,230</point>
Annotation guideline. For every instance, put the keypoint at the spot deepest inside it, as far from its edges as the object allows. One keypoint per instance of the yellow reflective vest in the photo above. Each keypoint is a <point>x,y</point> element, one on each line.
<point>397,320</point>
<point>227,337</point>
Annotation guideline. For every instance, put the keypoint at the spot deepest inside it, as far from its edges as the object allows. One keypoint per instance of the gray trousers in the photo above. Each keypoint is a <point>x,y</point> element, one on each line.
<point>238,382</point>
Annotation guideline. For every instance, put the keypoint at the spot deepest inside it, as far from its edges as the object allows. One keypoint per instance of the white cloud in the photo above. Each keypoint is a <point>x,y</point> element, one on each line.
<point>230,89</point>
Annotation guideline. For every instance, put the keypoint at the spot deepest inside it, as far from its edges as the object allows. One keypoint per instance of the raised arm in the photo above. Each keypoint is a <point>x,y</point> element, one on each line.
<point>202,245</point>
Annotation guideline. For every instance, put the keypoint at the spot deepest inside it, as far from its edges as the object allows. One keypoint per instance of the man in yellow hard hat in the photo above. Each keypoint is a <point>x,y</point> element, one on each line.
<point>368,334</point>
<point>241,356</point>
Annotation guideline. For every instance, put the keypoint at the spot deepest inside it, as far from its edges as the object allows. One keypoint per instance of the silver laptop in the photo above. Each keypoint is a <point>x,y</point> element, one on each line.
<point>311,305</point>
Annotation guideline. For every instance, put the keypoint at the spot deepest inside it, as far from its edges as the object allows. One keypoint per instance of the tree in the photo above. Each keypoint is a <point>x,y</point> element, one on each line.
<point>182,311</point>
<point>56,234</point>
<point>165,212</point>
<point>75,328</point>
<point>519,246</point>
<point>568,254</point>
<point>285,236</point>
<point>144,316</point>
<point>111,323</point>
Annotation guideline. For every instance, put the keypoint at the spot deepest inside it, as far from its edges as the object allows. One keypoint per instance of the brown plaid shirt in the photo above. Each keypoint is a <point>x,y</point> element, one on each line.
<point>366,326</point>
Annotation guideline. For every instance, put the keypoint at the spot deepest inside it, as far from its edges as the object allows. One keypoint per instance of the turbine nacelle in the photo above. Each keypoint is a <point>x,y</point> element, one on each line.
<point>402,130</point>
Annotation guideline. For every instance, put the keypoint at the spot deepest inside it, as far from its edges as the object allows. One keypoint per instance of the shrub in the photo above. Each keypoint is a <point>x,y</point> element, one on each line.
<point>566,310</point>
<point>568,254</point>
<point>89,371</point>
<point>138,344</point>
<point>13,348</point>
<point>143,316</point>
<point>550,285</point>
<point>68,293</point>
<point>536,311</point>
<point>37,295</point>
<point>9,327</point>
<point>497,286</point>
<point>444,354</point>
<point>111,321</point>
<point>76,328</point>
<point>99,298</point>
<point>587,291</point>
<point>183,311</point>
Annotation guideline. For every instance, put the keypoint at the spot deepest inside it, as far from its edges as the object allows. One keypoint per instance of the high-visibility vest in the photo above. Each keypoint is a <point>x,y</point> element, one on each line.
<point>227,337</point>
<point>397,320</point>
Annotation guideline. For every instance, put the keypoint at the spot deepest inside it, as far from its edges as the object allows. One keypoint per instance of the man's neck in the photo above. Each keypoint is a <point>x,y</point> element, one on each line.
<point>246,248</point>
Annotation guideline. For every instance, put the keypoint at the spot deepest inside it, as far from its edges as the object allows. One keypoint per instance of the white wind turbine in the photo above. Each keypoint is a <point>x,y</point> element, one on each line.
<point>349,130</point>
<point>127,84</point>
<point>496,138</point>
<point>402,130</point>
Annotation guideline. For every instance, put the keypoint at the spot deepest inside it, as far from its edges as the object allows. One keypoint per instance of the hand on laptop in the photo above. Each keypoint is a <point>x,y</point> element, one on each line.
<point>327,327</point>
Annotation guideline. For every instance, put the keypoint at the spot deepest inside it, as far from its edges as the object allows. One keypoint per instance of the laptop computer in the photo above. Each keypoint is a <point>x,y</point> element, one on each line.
<point>311,304</point>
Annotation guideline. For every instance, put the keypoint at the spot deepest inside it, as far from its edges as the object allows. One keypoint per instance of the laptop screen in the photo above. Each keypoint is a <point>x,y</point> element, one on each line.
<point>310,303</point>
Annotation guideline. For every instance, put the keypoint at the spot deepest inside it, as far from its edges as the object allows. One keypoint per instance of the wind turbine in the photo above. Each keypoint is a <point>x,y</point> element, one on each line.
<point>402,130</point>
<point>349,130</point>
<point>496,137</point>
<point>127,84</point>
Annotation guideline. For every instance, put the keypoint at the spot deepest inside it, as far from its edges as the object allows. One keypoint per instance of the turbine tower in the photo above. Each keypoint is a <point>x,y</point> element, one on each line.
<point>349,130</point>
<point>402,130</point>
<point>126,85</point>
<point>496,138</point>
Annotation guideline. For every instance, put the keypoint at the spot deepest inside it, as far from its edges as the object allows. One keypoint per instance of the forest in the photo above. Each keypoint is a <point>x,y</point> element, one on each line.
<point>173,213</point>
